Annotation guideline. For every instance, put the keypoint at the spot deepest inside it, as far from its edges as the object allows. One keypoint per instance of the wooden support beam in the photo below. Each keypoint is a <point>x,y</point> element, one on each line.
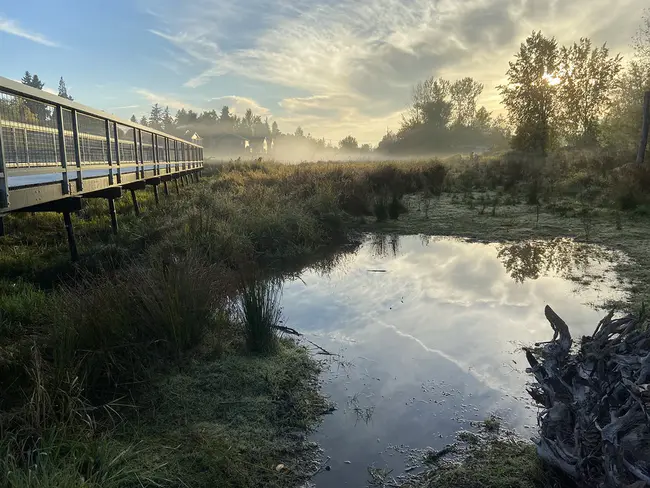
<point>155,194</point>
<point>2,225</point>
<point>113,214</point>
<point>72,243</point>
<point>136,207</point>
<point>176,183</point>
<point>70,204</point>
<point>165,188</point>
<point>645,129</point>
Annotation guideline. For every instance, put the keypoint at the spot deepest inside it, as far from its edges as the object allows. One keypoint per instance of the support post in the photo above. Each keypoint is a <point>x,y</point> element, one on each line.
<point>645,129</point>
<point>113,213</point>
<point>176,183</point>
<point>136,207</point>
<point>155,194</point>
<point>72,243</point>
<point>165,188</point>
<point>2,225</point>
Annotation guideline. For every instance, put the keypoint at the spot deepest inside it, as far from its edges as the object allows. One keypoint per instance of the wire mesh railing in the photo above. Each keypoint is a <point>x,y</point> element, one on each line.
<point>49,140</point>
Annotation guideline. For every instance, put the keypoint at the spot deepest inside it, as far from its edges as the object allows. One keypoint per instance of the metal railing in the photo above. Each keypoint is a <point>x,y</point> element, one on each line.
<point>51,148</point>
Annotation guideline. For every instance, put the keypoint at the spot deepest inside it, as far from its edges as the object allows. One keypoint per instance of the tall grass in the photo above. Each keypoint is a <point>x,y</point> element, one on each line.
<point>258,309</point>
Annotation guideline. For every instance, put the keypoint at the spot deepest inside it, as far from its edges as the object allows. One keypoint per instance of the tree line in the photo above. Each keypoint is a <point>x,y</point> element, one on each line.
<point>579,95</point>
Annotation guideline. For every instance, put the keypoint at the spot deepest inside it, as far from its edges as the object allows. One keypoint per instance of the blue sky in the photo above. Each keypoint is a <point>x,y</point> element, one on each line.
<point>335,67</point>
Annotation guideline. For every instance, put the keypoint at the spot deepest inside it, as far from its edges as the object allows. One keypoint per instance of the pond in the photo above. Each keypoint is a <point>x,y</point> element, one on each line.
<point>429,332</point>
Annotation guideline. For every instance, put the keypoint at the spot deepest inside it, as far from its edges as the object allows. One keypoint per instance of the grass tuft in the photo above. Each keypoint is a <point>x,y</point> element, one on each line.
<point>258,309</point>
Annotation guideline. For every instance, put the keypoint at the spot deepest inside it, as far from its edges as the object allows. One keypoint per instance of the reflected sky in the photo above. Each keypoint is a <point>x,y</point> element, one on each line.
<point>429,331</point>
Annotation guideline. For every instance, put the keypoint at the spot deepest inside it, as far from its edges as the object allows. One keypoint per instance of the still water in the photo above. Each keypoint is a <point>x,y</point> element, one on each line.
<point>429,332</point>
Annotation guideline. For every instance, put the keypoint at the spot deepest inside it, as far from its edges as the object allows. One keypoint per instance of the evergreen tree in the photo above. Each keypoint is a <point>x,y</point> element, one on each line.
<point>37,83</point>
<point>133,119</point>
<point>26,79</point>
<point>143,120</point>
<point>63,90</point>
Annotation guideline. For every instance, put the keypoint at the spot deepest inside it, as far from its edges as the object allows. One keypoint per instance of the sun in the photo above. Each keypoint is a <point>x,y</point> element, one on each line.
<point>551,80</point>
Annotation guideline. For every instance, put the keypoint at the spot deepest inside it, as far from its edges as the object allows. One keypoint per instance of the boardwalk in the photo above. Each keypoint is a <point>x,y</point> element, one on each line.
<point>54,152</point>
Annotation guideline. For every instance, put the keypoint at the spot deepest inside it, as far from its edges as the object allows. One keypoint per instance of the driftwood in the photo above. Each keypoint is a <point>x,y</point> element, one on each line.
<point>594,424</point>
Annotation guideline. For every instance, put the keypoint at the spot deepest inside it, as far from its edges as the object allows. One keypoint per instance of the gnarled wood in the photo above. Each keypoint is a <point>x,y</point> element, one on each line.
<point>595,420</point>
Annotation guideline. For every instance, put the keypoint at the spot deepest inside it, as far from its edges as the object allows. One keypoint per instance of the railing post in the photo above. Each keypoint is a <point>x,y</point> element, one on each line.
<point>176,156</point>
<point>116,136</point>
<point>65,181</point>
<point>77,148</point>
<point>141,154</point>
<point>26,146</point>
<point>135,153</point>
<point>109,156</point>
<point>154,153</point>
<point>4,177</point>
<point>168,168</point>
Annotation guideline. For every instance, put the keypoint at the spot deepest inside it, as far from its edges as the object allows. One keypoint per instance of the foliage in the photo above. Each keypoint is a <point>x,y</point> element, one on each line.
<point>349,143</point>
<point>530,96</point>
<point>587,79</point>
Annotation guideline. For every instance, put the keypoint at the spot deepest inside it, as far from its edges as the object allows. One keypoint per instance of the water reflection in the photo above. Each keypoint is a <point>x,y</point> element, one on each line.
<point>433,342</point>
<point>385,245</point>
<point>528,260</point>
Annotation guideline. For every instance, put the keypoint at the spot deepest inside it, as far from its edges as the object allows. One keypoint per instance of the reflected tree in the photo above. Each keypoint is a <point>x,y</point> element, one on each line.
<point>529,260</point>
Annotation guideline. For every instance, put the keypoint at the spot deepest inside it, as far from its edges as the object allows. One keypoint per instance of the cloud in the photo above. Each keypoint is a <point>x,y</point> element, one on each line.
<point>12,27</point>
<point>170,101</point>
<point>124,107</point>
<point>239,105</point>
<point>357,61</point>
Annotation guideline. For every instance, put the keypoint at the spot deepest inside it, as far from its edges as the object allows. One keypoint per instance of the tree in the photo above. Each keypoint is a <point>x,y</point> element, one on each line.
<point>622,124</point>
<point>429,93</point>
<point>463,94</point>
<point>530,94</point>
<point>37,83</point>
<point>26,79</point>
<point>37,110</point>
<point>641,40</point>
<point>225,114</point>
<point>133,119</point>
<point>482,120</point>
<point>155,117</point>
<point>349,143</point>
<point>63,90</point>
<point>143,120</point>
<point>299,132</point>
<point>275,131</point>
<point>167,120</point>
<point>32,80</point>
<point>587,79</point>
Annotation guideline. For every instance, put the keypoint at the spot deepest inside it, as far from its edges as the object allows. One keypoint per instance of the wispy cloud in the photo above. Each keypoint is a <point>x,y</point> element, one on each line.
<point>164,100</point>
<point>12,27</point>
<point>124,107</point>
<point>357,61</point>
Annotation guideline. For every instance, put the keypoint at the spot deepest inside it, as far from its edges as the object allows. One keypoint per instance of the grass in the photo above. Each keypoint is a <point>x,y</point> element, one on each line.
<point>135,358</point>
<point>258,309</point>
<point>497,464</point>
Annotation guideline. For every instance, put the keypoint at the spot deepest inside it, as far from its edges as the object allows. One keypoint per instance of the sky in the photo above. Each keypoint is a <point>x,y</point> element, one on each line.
<point>334,67</point>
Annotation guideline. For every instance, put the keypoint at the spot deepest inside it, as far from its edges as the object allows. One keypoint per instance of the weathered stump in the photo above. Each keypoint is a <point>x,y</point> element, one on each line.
<point>594,424</point>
